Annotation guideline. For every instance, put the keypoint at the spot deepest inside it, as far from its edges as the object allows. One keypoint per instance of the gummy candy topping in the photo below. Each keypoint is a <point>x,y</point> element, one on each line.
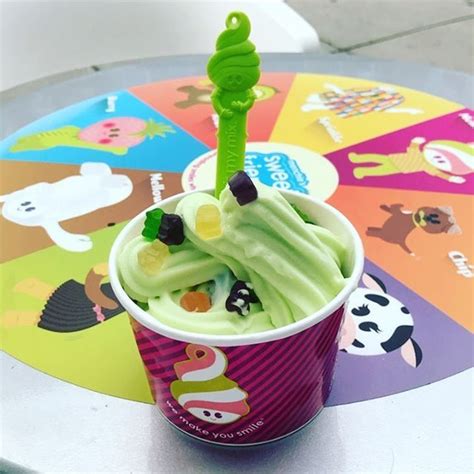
<point>195,301</point>
<point>242,187</point>
<point>152,257</point>
<point>237,268</point>
<point>152,224</point>
<point>171,230</point>
<point>208,222</point>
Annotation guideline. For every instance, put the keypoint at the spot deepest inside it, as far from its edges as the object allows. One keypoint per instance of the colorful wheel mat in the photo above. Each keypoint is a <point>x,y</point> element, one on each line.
<point>389,157</point>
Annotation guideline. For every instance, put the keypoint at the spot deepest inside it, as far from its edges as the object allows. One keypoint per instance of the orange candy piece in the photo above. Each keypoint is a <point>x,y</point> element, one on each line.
<point>195,301</point>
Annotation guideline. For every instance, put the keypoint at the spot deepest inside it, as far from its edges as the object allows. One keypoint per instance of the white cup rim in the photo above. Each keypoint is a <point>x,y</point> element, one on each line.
<point>147,320</point>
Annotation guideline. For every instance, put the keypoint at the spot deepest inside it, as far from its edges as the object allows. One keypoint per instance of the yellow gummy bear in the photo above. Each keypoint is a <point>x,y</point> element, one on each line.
<point>208,222</point>
<point>151,257</point>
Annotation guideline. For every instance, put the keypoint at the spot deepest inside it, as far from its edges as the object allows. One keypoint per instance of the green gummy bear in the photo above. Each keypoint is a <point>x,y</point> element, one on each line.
<point>234,70</point>
<point>152,224</point>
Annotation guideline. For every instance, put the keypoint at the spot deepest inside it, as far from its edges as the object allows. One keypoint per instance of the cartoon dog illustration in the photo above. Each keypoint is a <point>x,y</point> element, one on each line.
<point>376,323</point>
<point>47,204</point>
<point>70,307</point>
<point>357,101</point>
<point>203,390</point>
<point>445,159</point>
<point>400,224</point>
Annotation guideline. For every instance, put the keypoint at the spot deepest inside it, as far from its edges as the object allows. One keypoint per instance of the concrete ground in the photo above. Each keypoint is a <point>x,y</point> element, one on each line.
<point>436,32</point>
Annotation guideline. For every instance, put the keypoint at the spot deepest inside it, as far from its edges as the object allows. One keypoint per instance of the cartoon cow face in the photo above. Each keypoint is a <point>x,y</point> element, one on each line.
<point>376,323</point>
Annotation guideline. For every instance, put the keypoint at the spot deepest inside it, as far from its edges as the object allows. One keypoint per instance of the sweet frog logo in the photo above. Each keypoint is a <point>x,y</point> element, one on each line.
<point>203,390</point>
<point>280,165</point>
<point>276,169</point>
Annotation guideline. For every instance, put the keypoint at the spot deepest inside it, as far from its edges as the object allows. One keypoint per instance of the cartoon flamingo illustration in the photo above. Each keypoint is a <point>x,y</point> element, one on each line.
<point>115,135</point>
<point>203,390</point>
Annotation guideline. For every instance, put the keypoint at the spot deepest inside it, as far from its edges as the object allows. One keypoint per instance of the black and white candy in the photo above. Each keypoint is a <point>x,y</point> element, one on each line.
<point>241,295</point>
<point>376,323</point>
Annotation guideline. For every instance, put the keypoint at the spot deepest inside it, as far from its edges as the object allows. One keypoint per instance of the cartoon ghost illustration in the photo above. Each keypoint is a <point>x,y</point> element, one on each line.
<point>445,159</point>
<point>376,323</point>
<point>357,101</point>
<point>402,222</point>
<point>203,390</point>
<point>47,204</point>
<point>114,135</point>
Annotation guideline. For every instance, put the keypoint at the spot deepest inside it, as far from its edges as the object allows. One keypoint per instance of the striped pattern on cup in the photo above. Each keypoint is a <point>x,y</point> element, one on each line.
<point>242,394</point>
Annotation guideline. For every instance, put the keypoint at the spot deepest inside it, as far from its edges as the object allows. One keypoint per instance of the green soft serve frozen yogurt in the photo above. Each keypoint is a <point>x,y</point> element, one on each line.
<point>245,263</point>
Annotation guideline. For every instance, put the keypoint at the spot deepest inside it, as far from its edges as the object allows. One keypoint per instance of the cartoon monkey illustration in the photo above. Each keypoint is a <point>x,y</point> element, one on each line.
<point>376,323</point>
<point>70,307</point>
<point>202,95</point>
<point>445,159</point>
<point>401,223</point>
<point>196,96</point>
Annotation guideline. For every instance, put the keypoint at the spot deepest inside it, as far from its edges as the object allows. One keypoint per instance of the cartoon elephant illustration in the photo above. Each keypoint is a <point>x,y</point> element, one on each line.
<point>47,204</point>
<point>376,323</point>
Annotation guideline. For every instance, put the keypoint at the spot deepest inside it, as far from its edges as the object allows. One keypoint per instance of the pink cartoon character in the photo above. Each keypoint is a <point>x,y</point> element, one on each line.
<point>203,390</point>
<point>446,159</point>
<point>114,135</point>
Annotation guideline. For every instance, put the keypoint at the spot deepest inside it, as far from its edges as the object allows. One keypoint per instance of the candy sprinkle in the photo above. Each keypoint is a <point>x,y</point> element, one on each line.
<point>152,224</point>
<point>208,222</point>
<point>242,187</point>
<point>195,301</point>
<point>171,230</point>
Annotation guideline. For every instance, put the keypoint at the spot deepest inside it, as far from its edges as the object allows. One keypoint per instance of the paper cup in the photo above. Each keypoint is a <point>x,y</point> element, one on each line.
<point>247,389</point>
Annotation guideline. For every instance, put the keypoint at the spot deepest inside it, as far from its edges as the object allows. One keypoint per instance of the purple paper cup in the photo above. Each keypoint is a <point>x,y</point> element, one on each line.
<point>252,388</point>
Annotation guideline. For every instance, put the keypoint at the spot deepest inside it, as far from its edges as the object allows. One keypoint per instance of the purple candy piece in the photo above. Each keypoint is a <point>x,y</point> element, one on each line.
<point>242,187</point>
<point>171,230</point>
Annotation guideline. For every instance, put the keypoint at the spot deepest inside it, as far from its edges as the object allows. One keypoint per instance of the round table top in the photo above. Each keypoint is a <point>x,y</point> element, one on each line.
<point>49,425</point>
<point>19,111</point>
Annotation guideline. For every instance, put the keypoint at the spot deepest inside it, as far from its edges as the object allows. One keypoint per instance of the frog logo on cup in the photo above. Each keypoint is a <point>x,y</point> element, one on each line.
<point>203,390</point>
<point>279,165</point>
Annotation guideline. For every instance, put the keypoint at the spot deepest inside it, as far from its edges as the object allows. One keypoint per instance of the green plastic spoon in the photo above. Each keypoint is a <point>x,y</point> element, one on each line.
<point>234,70</point>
